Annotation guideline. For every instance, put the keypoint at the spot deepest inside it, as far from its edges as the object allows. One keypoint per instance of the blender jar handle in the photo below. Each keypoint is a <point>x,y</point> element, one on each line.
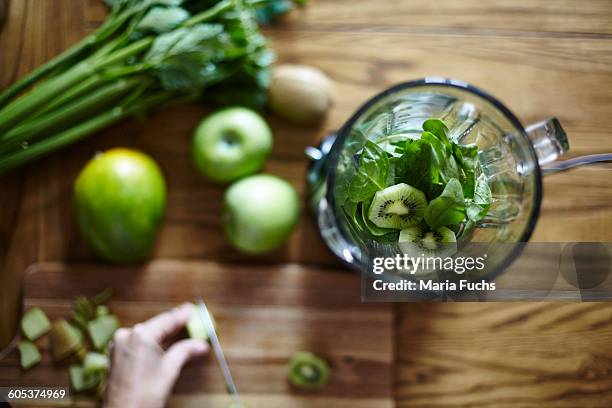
<point>550,141</point>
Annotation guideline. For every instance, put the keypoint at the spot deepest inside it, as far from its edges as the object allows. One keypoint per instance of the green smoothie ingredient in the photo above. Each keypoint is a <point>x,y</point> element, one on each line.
<point>398,206</point>
<point>421,192</point>
<point>300,93</point>
<point>260,212</point>
<point>120,200</point>
<point>34,323</point>
<point>231,143</point>
<point>80,381</point>
<point>308,371</point>
<point>101,330</point>
<point>95,363</point>
<point>146,54</point>
<point>416,241</point>
<point>195,326</point>
<point>91,325</point>
<point>65,339</point>
<point>28,354</point>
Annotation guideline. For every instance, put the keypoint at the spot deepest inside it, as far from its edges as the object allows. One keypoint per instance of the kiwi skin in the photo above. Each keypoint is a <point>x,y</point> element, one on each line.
<point>399,206</point>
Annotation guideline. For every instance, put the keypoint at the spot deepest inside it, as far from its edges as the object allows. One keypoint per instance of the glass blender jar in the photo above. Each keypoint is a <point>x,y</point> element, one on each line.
<point>513,160</point>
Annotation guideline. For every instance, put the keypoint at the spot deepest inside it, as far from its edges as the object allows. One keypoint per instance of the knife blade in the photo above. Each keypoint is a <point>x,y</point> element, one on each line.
<point>216,346</point>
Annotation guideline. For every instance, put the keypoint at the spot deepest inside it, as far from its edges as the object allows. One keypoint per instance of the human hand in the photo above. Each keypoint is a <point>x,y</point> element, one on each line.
<point>142,372</point>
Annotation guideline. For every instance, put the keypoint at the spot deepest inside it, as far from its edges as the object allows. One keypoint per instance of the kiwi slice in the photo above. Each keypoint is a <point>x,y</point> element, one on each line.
<point>419,241</point>
<point>399,206</point>
<point>308,371</point>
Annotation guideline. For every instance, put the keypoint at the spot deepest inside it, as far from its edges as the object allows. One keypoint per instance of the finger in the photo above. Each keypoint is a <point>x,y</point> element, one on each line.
<point>181,352</point>
<point>121,336</point>
<point>164,324</point>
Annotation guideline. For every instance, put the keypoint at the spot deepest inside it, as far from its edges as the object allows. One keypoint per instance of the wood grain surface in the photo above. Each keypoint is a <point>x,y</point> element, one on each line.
<point>540,57</point>
<point>262,314</point>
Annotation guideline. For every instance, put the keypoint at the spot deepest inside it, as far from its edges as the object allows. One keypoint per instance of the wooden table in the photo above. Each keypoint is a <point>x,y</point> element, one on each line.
<point>540,57</point>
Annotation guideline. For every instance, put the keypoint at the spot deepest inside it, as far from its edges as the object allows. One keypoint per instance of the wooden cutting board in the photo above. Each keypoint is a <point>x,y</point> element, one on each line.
<point>263,313</point>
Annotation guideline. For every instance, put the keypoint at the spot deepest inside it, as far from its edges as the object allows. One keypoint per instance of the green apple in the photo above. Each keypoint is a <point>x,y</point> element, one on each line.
<point>120,200</point>
<point>260,212</point>
<point>231,143</point>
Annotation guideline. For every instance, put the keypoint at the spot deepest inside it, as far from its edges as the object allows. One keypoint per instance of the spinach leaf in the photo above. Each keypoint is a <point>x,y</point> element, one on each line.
<point>453,190</point>
<point>482,192</point>
<point>444,211</point>
<point>439,129</point>
<point>417,167</point>
<point>372,173</point>
<point>448,208</point>
<point>439,151</point>
<point>467,156</point>
<point>450,170</point>
<point>353,212</point>
<point>478,207</point>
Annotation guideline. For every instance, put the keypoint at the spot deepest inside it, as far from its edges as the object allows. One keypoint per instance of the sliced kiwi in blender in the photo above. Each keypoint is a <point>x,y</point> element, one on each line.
<point>419,241</point>
<point>399,206</point>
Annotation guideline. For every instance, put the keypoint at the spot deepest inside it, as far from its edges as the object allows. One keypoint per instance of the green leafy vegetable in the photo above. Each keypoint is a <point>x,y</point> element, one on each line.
<point>439,129</point>
<point>146,54</point>
<point>467,156</point>
<point>448,208</point>
<point>478,207</point>
<point>418,167</point>
<point>447,172</point>
<point>160,19</point>
<point>372,174</point>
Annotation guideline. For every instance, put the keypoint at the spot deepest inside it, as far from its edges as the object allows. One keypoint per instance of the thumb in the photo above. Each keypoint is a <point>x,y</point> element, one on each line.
<point>181,352</point>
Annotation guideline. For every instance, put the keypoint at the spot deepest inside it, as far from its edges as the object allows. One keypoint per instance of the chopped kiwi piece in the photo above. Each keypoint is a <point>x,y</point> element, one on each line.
<point>308,371</point>
<point>420,241</point>
<point>101,330</point>
<point>29,354</point>
<point>34,323</point>
<point>65,339</point>
<point>398,207</point>
<point>195,326</point>
<point>95,363</point>
<point>81,382</point>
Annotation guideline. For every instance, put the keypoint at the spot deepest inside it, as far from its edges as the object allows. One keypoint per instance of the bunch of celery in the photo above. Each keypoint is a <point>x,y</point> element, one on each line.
<point>147,53</point>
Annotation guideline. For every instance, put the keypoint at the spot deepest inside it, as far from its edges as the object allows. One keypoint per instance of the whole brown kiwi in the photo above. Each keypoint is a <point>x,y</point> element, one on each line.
<point>300,93</point>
